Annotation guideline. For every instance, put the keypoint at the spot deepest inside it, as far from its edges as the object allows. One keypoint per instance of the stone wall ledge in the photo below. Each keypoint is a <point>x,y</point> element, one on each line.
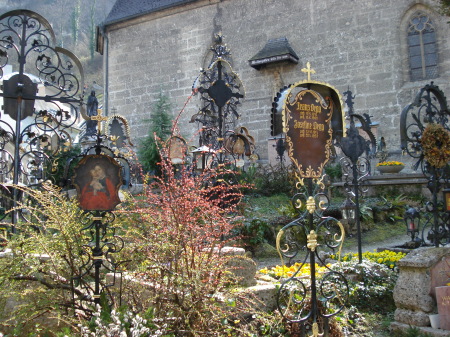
<point>423,257</point>
<point>391,179</point>
<point>396,326</point>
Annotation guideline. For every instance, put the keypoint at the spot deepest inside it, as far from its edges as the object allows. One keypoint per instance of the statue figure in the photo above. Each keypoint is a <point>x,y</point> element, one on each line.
<point>92,106</point>
<point>382,144</point>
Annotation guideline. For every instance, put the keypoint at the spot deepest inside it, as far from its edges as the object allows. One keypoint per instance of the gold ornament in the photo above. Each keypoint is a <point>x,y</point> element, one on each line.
<point>312,240</point>
<point>311,205</point>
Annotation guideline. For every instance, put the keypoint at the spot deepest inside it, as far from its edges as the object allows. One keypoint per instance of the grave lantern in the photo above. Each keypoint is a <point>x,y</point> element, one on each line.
<point>412,222</point>
<point>349,210</point>
<point>201,157</point>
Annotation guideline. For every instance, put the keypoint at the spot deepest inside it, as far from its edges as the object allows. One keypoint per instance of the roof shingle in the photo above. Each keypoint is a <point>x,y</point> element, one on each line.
<point>275,50</point>
<point>127,9</point>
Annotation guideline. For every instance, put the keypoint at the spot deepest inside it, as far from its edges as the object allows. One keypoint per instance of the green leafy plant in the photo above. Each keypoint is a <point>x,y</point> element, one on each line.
<point>254,231</point>
<point>393,207</point>
<point>334,171</point>
<point>268,180</point>
<point>56,167</point>
<point>43,257</point>
<point>122,322</point>
<point>371,284</point>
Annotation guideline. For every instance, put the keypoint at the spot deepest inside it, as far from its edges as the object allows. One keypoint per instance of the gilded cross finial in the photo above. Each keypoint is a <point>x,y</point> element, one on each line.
<point>308,70</point>
<point>99,118</point>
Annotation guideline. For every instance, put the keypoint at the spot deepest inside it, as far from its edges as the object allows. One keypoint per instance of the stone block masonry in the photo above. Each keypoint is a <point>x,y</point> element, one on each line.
<point>414,293</point>
<point>363,49</point>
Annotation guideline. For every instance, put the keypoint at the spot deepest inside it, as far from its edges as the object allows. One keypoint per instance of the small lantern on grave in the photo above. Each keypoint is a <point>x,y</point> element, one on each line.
<point>349,210</point>
<point>412,222</point>
<point>202,157</point>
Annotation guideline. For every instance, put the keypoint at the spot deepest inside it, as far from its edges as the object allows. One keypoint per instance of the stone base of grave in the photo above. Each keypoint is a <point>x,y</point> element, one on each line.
<point>413,318</point>
<point>396,326</point>
<point>264,295</point>
<point>244,269</point>
<point>421,271</point>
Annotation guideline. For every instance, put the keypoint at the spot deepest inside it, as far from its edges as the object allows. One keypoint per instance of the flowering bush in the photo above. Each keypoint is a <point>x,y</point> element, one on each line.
<point>371,283</point>
<point>285,271</point>
<point>121,324</point>
<point>386,257</point>
<point>391,163</point>
<point>176,230</point>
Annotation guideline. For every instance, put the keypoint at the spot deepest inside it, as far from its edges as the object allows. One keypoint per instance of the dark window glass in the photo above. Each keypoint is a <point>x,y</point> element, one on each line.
<point>423,60</point>
<point>414,51</point>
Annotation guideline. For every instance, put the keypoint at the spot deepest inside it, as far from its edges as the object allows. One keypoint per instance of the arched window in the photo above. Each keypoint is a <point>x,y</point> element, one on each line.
<point>422,47</point>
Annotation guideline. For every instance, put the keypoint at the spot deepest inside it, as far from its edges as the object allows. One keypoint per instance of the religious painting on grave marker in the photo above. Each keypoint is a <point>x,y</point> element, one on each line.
<point>98,179</point>
<point>306,119</point>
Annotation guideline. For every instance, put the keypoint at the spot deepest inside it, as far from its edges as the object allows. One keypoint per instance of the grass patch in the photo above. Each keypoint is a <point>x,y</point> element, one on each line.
<point>379,232</point>
<point>264,207</point>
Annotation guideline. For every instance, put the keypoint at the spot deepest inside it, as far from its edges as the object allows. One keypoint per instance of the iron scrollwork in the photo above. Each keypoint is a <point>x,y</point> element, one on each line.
<point>309,301</point>
<point>221,92</point>
<point>97,256</point>
<point>43,99</point>
<point>356,166</point>
<point>429,108</point>
<point>102,240</point>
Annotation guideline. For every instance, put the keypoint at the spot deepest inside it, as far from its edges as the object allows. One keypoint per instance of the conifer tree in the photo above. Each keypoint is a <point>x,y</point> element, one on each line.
<point>76,22</point>
<point>160,130</point>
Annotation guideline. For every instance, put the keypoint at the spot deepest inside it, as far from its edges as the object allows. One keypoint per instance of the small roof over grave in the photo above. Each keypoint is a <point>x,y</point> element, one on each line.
<point>128,9</point>
<point>275,50</point>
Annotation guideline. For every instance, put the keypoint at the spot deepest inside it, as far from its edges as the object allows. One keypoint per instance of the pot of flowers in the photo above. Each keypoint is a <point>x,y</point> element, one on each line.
<point>390,166</point>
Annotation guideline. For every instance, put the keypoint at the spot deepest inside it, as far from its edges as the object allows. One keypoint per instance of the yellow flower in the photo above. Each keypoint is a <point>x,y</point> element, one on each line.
<point>391,163</point>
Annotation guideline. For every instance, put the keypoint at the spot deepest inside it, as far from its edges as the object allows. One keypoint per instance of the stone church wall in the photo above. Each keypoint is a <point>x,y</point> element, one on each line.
<point>357,45</point>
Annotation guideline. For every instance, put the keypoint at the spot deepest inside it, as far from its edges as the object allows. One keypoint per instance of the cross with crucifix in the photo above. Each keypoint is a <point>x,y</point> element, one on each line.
<point>100,119</point>
<point>308,70</point>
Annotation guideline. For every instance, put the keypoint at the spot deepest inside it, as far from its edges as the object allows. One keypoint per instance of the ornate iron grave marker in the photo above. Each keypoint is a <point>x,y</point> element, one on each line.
<point>425,136</point>
<point>221,92</point>
<point>355,166</point>
<point>98,178</point>
<point>312,117</point>
<point>42,90</point>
